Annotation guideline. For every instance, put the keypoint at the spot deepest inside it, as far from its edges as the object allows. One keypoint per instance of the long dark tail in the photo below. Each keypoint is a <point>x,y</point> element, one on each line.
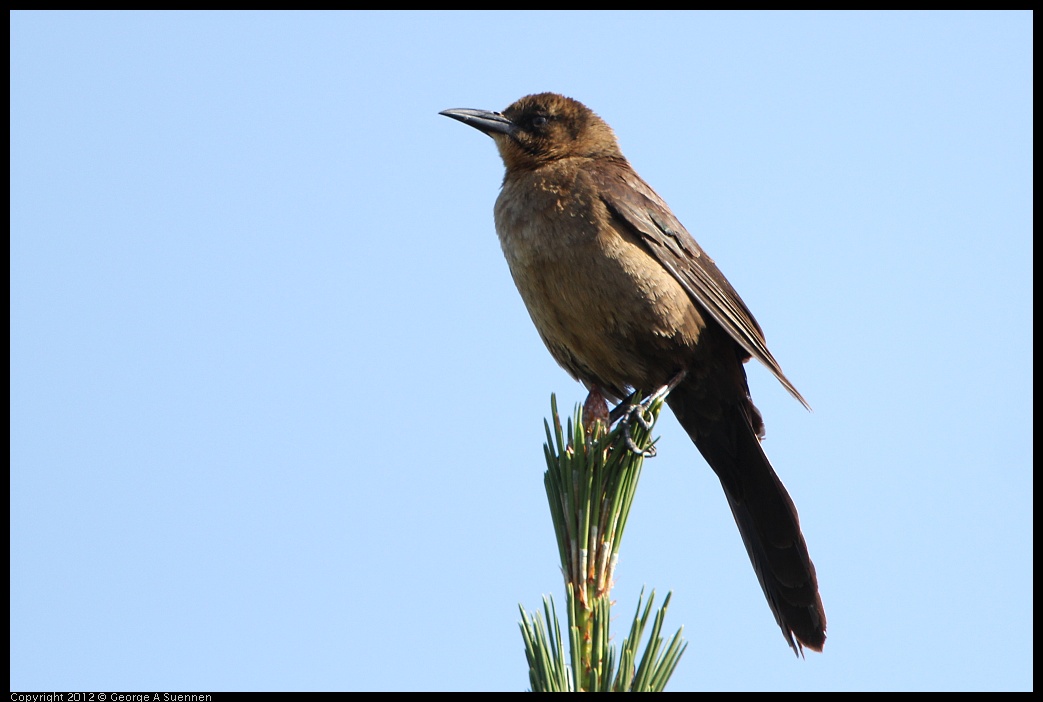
<point>727,436</point>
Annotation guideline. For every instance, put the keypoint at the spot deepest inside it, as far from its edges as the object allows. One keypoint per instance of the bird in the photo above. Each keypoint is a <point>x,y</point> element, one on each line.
<point>625,300</point>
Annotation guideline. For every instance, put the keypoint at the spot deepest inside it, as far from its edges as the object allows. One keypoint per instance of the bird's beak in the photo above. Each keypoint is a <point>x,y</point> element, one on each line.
<point>484,121</point>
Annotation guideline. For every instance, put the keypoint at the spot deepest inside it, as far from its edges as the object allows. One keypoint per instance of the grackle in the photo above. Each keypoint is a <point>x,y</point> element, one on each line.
<point>625,299</point>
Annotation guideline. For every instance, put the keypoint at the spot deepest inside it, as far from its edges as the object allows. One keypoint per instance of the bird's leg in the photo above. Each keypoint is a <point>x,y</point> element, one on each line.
<point>628,410</point>
<point>626,407</point>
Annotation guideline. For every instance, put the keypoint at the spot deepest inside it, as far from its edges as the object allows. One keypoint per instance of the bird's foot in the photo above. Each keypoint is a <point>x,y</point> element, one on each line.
<point>629,411</point>
<point>636,413</point>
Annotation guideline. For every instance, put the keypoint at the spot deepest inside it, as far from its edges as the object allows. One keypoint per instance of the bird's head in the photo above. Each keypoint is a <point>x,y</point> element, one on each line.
<point>542,128</point>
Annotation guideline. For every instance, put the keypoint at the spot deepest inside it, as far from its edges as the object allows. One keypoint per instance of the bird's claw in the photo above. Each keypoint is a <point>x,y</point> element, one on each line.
<point>636,412</point>
<point>628,411</point>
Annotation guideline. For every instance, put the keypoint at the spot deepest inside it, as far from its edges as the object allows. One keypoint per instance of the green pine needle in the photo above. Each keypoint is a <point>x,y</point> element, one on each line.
<point>591,480</point>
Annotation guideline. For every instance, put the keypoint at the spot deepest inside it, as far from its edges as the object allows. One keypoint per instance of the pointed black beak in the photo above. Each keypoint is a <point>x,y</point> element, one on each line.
<point>484,121</point>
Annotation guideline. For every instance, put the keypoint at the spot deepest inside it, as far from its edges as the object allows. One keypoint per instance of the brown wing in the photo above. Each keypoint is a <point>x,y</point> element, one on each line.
<point>633,202</point>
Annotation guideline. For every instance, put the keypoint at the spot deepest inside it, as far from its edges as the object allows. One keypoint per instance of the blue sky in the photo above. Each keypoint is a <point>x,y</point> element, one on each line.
<point>276,406</point>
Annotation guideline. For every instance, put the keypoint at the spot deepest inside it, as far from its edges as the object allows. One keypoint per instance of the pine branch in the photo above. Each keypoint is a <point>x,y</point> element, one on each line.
<point>591,480</point>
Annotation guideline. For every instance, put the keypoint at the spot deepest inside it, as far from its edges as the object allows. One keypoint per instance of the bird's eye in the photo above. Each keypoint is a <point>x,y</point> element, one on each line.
<point>539,121</point>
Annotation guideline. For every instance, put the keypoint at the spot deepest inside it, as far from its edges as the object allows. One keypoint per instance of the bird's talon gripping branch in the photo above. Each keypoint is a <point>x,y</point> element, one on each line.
<point>626,407</point>
<point>637,413</point>
<point>632,411</point>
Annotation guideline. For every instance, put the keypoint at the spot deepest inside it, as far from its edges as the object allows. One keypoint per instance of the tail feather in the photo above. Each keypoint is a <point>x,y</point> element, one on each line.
<point>767,519</point>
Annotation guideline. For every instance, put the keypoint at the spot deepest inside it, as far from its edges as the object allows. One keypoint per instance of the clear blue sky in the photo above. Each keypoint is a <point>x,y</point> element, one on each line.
<point>276,406</point>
